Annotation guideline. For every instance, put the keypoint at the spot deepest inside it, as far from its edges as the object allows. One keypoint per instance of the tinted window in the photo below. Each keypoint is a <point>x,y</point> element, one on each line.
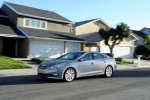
<point>97,56</point>
<point>71,56</point>
<point>88,57</point>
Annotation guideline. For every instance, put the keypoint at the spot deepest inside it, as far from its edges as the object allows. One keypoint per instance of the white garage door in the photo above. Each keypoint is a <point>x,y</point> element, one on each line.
<point>45,48</point>
<point>72,46</point>
<point>119,51</point>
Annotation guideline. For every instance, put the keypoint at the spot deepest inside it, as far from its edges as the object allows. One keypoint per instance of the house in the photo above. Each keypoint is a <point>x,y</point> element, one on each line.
<point>140,35</point>
<point>88,30</point>
<point>31,32</point>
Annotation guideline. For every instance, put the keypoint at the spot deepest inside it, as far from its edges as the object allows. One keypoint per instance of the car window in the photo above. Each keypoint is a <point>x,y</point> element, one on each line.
<point>88,57</point>
<point>97,56</point>
<point>71,56</point>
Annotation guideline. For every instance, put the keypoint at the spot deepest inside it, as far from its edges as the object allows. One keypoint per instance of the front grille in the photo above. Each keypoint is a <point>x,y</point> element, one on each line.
<point>45,75</point>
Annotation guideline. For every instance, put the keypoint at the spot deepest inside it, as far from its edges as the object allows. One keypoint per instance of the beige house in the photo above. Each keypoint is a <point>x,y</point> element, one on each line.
<point>31,32</point>
<point>88,30</point>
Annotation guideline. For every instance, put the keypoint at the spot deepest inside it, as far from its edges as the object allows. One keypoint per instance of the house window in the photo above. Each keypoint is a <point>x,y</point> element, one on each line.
<point>33,23</point>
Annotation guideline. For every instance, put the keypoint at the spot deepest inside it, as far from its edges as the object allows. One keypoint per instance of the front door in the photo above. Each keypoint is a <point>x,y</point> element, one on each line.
<point>9,47</point>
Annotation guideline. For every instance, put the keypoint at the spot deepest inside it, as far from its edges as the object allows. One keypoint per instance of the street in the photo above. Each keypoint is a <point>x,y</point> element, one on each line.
<point>133,84</point>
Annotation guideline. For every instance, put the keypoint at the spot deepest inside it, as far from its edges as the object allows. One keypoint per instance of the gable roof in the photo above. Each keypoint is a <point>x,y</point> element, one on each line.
<point>7,29</point>
<point>2,14</point>
<point>36,13</point>
<point>53,35</point>
<point>145,28</point>
<point>139,33</point>
<point>91,37</point>
<point>78,24</point>
<point>82,22</point>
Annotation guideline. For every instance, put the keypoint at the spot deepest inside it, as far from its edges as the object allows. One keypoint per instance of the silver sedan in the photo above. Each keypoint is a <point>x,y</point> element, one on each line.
<point>78,64</point>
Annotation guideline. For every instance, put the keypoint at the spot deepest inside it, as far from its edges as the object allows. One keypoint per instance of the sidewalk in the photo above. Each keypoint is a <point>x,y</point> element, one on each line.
<point>20,72</point>
<point>33,70</point>
<point>143,64</point>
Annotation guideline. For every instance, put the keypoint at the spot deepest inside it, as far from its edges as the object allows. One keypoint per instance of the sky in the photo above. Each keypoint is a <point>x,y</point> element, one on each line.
<point>135,13</point>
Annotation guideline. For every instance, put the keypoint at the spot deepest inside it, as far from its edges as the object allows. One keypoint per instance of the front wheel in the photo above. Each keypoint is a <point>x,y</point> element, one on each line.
<point>69,75</point>
<point>108,71</point>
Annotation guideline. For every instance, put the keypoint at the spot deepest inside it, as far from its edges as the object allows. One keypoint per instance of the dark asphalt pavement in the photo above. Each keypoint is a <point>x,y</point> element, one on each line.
<point>124,85</point>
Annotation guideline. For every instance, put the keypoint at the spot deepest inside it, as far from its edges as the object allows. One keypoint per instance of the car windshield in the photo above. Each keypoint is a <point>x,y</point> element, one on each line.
<point>71,56</point>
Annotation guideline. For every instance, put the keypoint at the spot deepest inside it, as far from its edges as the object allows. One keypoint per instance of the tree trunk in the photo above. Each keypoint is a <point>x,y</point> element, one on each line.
<point>111,52</point>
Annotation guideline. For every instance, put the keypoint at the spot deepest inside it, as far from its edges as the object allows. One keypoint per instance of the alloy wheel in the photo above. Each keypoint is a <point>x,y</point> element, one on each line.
<point>108,71</point>
<point>69,75</point>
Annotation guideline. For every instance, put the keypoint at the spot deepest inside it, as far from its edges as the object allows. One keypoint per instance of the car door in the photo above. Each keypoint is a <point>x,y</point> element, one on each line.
<point>85,65</point>
<point>99,63</point>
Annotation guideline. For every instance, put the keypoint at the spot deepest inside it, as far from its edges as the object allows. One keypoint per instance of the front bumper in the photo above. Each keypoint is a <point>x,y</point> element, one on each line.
<point>52,74</point>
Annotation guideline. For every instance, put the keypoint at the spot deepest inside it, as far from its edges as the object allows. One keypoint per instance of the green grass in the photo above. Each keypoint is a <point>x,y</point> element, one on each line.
<point>8,63</point>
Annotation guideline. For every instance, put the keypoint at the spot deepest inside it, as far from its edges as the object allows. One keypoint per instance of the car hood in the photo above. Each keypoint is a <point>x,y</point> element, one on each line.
<point>56,61</point>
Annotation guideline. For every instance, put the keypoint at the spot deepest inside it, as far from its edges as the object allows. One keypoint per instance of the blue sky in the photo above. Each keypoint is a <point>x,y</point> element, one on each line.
<point>135,13</point>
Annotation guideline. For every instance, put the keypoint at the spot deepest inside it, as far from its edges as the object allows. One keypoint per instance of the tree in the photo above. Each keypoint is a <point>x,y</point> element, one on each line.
<point>113,36</point>
<point>141,50</point>
<point>147,41</point>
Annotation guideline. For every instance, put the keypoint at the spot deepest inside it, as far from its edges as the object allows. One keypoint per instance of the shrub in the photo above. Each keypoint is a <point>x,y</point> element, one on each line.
<point>38,60</point>
<point>118,59</point>
<point>142,50</point>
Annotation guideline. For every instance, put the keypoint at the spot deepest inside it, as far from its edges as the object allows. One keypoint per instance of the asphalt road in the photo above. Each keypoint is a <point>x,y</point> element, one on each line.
<point>124,85</point>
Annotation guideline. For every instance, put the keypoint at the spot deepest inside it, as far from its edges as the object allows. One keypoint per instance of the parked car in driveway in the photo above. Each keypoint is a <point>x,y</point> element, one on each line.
<point>78,64</point>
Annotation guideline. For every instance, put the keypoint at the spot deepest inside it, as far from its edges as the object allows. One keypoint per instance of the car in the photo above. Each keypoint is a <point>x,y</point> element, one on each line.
<point>78,64</point>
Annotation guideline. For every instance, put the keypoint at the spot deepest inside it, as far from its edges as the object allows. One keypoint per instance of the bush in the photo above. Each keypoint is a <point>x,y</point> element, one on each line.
<point>38,60</point>
<point>142,50</point>
<point>118,59</point>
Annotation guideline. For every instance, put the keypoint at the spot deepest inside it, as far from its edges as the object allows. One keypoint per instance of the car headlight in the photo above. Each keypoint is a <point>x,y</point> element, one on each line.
<point>57,66</point>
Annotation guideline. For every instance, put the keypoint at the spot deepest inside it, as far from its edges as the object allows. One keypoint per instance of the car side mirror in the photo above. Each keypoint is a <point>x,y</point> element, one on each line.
<point>82,59</point>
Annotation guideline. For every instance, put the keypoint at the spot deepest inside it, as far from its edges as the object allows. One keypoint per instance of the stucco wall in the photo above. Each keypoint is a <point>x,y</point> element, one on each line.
<point>1,45</point>
<point>52,26</point>
<point>12,15</point>
<point>90,28</point>
<point>59,27</point>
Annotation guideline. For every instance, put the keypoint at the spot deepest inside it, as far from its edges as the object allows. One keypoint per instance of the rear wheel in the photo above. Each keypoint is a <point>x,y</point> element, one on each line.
<point>108,71</point>
<point>69,75</point>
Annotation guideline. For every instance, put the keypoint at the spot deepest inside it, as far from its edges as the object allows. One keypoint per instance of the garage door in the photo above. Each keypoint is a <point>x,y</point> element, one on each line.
<point>119,51</point>
<point>72,46</point>
<point>44,48</point>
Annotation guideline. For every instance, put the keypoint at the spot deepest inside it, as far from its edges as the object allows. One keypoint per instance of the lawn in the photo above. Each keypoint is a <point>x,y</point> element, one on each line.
<point>8,63</point>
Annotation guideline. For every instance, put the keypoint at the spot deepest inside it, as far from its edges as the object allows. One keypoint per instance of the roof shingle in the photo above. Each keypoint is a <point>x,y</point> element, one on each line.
<point>82,22</point>
<point>29,11</point>
<point>7,28</point>
<point>139,33</point>
<point>50,34</point>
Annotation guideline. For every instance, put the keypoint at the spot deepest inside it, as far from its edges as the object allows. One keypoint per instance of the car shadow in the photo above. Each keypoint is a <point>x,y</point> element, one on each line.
<point>34,79</point>
<point>29,79</point>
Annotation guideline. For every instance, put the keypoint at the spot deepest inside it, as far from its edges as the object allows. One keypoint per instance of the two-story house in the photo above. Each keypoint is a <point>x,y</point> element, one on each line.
<point>32,32</point>
<point>88,30</point>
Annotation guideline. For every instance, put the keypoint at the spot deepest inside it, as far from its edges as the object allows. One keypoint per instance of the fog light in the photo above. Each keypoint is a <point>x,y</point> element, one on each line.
<point>54,74</point>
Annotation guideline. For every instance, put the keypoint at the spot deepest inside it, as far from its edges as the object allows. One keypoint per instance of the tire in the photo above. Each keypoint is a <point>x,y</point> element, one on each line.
<point>69,74</point>
<point>108,71</point>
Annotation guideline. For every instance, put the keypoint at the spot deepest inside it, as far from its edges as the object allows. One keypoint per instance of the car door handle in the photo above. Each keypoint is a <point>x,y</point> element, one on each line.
<point>104,61</point>
<point>92,63</point>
